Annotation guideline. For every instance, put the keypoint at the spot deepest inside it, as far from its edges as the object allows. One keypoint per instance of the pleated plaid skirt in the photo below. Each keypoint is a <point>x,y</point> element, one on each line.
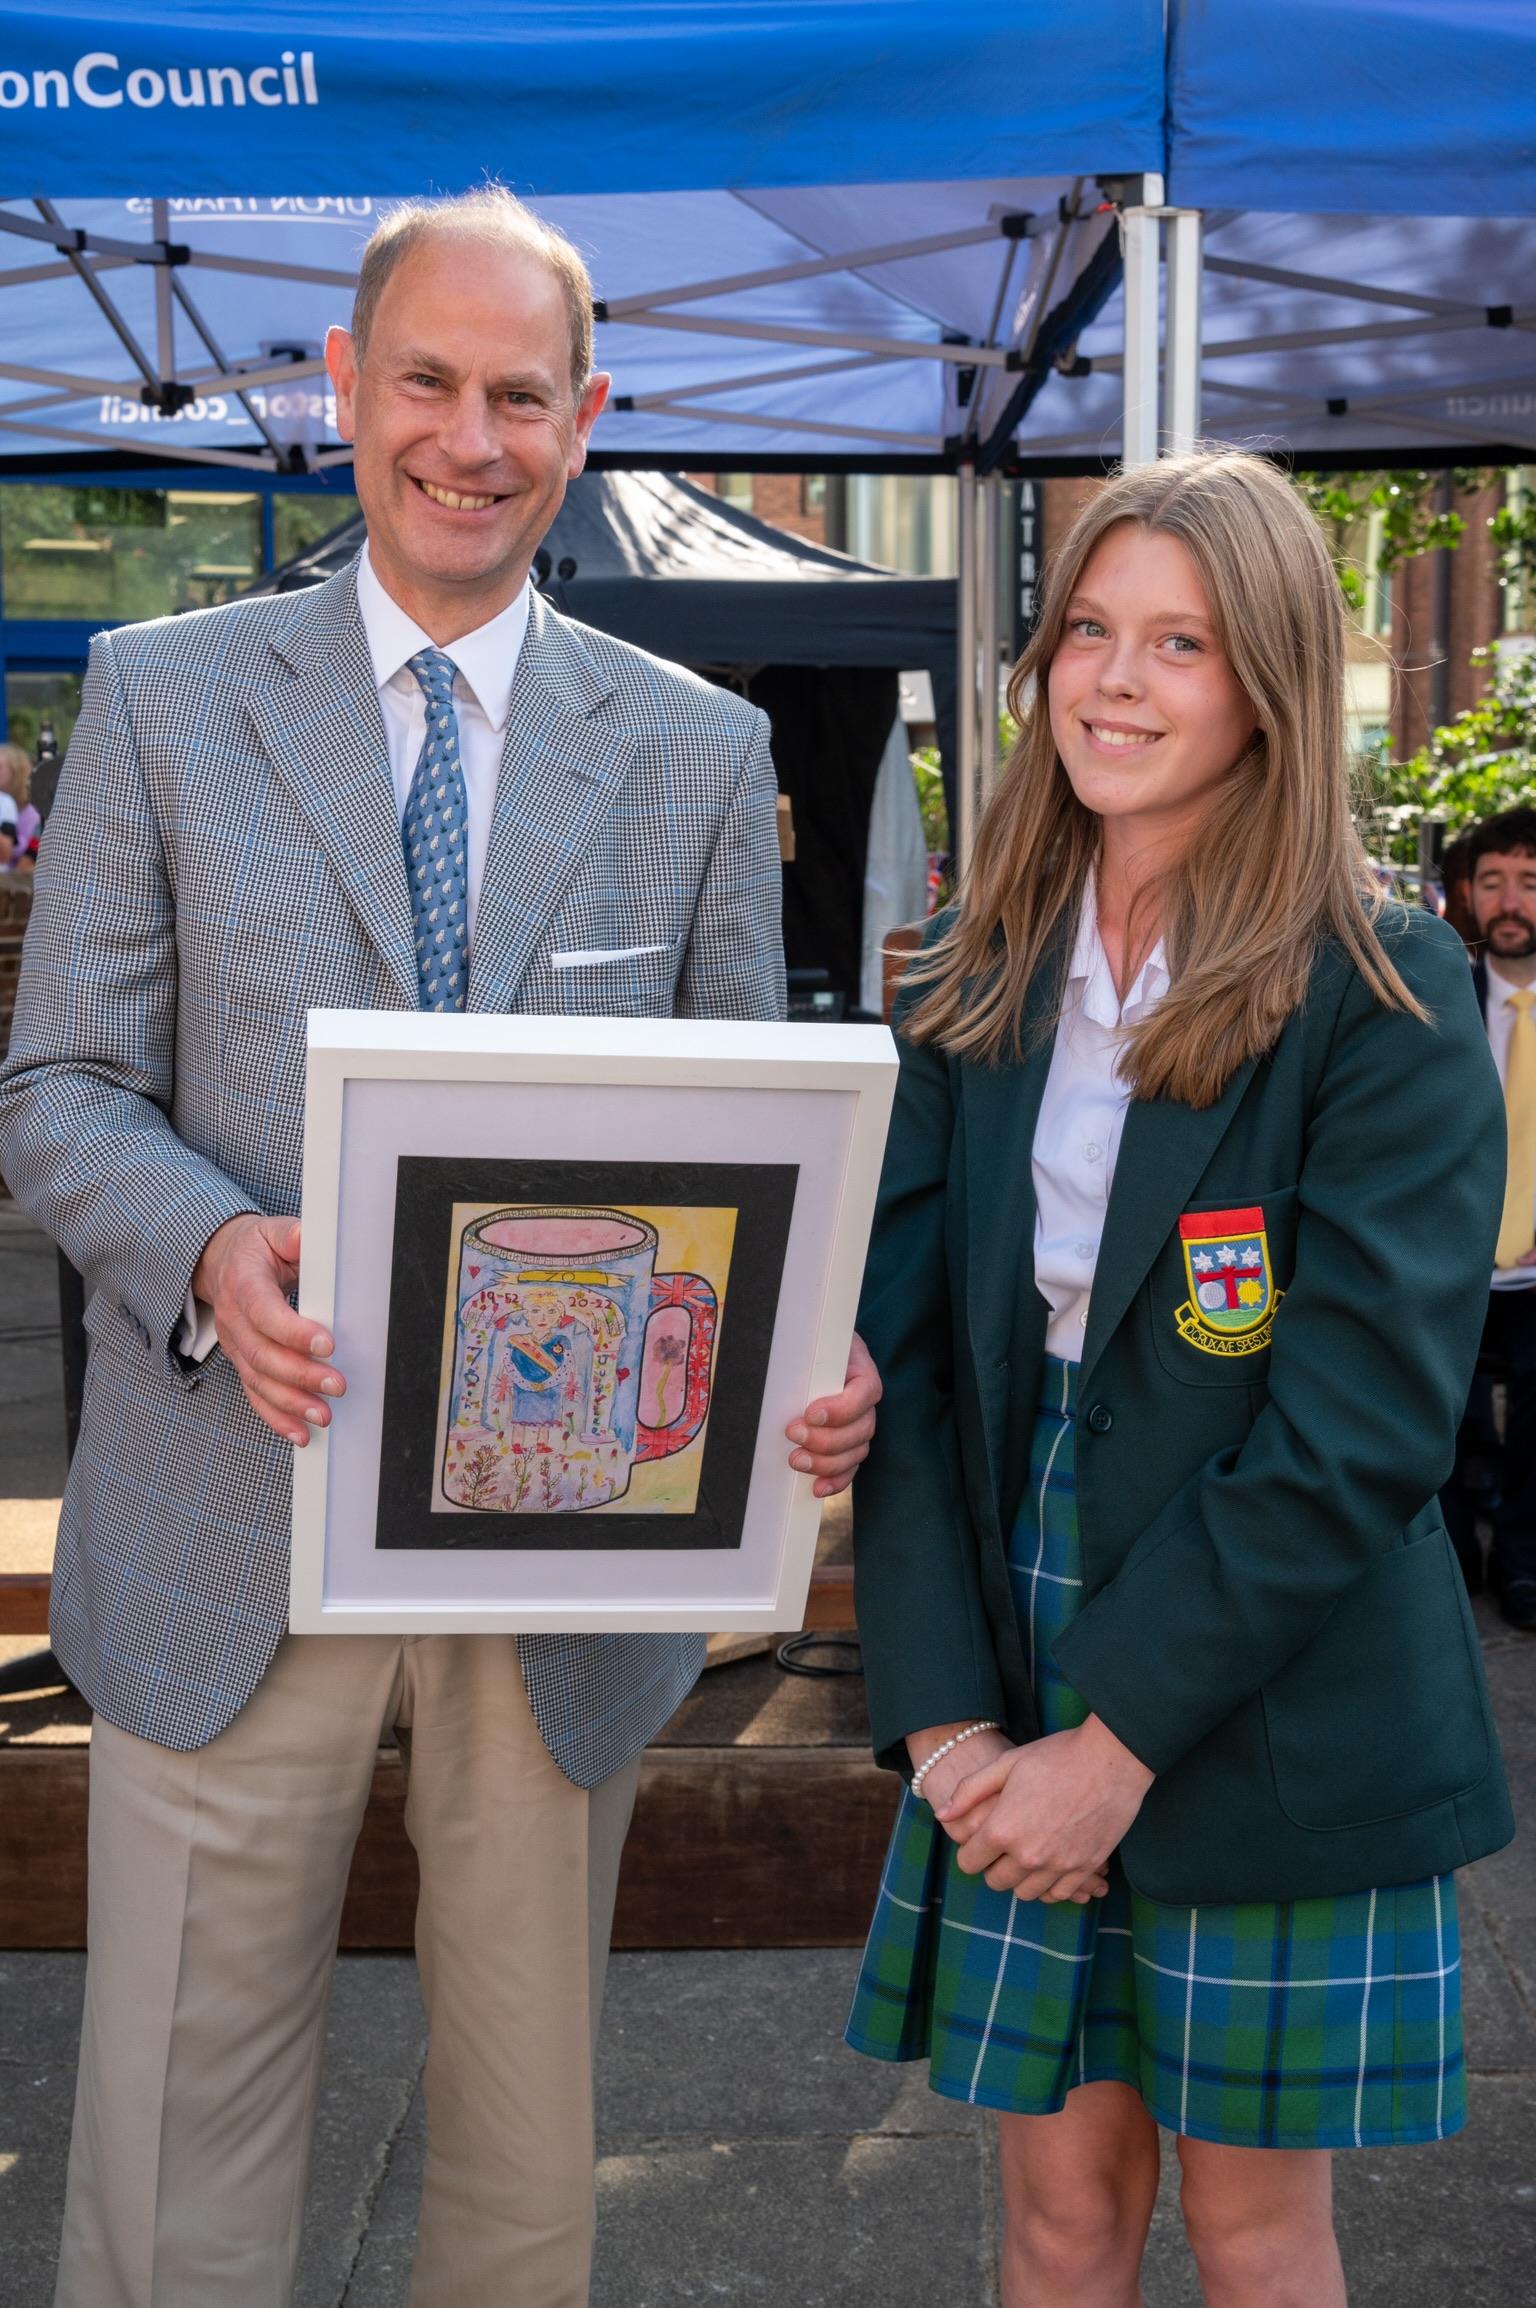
<point>1310,2023</point>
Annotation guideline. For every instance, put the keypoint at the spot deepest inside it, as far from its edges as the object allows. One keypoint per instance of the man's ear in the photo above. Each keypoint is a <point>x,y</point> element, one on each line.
<point>588,409</point>
<point>341,361</point>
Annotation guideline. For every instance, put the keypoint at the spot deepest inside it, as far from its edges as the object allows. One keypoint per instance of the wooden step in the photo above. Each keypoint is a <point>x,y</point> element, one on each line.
<point>731,1847</point>
<point>760,1820</point>
<point>24,1602</point>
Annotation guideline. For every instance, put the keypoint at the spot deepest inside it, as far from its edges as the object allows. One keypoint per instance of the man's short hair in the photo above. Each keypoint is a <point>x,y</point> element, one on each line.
<point>490,213</point>
<point>1511,834</point>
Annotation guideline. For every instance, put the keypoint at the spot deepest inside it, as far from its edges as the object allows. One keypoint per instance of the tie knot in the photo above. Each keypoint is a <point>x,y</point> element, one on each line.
<point>1522,1002</point>
<point>435,673</point>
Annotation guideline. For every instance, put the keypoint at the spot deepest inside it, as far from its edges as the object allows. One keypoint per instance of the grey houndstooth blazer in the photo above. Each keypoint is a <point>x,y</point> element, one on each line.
<point>223,856</point>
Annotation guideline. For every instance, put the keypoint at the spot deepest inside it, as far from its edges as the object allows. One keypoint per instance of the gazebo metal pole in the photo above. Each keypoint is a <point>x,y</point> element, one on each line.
<point>966,719</point>
<point>1141,232</point>
<point>1182,359</point>
<point>165,309</point>
<point>988,636</point>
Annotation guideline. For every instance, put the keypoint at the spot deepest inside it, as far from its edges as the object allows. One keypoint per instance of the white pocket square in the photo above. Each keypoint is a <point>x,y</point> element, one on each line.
<point>583,957</point>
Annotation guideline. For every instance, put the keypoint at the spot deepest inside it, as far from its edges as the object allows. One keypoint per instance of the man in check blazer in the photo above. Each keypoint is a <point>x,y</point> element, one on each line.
<point>226,852</point>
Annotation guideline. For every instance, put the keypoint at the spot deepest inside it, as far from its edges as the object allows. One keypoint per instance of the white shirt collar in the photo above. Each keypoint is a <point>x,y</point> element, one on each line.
<point>1090,971</point>
<point>1502,986</point>
<point>486,659</point>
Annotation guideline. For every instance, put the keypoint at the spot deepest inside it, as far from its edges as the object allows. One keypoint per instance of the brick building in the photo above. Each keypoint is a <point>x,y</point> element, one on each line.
<point>1442,607</point>
<point>1410,663</point>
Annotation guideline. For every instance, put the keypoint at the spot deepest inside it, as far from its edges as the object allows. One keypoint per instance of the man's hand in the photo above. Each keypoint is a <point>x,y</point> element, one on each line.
<point>245,1274</point>
<point>1042,1820</point>
<point>833,1433</point>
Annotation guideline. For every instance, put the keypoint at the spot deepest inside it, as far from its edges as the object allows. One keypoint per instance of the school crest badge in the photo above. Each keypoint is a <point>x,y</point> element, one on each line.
<point>1232,1296</point>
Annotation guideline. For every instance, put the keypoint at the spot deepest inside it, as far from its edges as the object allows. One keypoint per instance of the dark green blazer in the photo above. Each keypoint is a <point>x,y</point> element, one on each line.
<point>1274,1620</point>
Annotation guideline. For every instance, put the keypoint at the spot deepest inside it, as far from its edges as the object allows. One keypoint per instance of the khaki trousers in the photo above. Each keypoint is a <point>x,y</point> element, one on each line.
<point>216,1883</point>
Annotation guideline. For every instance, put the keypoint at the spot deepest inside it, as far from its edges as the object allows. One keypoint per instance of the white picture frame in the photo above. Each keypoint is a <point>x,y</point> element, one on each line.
<point>414,1122</point>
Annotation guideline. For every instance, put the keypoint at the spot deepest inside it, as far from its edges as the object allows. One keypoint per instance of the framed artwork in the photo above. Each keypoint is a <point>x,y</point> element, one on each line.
<point>580,1272</point>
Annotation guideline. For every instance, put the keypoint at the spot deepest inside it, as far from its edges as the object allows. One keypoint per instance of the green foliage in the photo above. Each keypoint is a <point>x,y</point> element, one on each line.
<point>929,779</point>
<point>1483,761</point>
<point>1413,521</point>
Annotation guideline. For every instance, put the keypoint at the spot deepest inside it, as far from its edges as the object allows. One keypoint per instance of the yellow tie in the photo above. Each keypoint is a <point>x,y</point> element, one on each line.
<point>1518,1230</point>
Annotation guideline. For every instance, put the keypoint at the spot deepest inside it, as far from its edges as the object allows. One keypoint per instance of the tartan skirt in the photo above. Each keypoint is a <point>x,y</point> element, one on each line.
<point>1309,2023</point>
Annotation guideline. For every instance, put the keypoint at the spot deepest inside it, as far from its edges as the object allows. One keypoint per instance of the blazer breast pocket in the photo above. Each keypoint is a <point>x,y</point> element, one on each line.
<point>610,981</point>
<point>1216,1286</point>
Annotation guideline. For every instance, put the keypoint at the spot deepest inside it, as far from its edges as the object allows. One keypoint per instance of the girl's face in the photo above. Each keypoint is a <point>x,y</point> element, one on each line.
<point>1147,714</point>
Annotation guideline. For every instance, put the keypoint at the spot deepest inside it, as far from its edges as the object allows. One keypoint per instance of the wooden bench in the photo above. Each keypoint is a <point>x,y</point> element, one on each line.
<point>760,1820</point>
<point>24,1600</point>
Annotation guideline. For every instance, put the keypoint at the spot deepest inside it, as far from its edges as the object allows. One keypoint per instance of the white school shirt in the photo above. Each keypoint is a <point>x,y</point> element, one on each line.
<point>1078,1130</point>
<point>1501,1021</point>
<point>482,698</point>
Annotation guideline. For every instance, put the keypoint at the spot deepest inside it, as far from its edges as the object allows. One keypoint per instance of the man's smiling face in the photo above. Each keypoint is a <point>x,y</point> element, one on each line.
<point>466,424</point>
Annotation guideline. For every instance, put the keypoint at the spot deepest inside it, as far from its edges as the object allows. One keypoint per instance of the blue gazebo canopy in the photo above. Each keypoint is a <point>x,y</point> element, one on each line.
<point>573,96</point>
<point>822,231</point>
<point>1407,108</point>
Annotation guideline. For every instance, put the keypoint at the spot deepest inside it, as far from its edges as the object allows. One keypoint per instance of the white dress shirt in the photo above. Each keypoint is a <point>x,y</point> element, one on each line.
<point>1501,1020</point>
<point>482,696</point>
<point>1077,1133</point>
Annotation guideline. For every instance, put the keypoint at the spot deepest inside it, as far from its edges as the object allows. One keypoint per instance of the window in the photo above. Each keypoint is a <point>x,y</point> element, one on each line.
<point>735,489</point>
<point>123,554</point>
<point>904,521</point>
<point>301,521</point>
<point>813,492</point>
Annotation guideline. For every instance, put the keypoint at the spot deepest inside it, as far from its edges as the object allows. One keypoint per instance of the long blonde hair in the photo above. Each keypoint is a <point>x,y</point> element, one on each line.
<point>17,763</point>
<point>1278,866</point>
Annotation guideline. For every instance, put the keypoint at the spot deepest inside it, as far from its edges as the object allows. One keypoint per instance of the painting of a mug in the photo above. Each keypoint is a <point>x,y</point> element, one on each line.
<point>574,1361</point>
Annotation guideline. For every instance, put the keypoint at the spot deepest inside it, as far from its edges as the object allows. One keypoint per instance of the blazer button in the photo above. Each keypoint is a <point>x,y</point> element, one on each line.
<point>1100,1418</point>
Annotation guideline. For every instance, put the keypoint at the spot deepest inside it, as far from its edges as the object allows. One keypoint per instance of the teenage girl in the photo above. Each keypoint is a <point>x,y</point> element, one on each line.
<point>1176,1286</point>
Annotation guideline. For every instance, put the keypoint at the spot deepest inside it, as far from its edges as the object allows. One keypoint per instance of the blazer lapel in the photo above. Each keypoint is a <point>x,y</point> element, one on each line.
<point>1002,1105</point>
<point>325,736</point>
<point>1164,1150</point>
<point>560,771</point>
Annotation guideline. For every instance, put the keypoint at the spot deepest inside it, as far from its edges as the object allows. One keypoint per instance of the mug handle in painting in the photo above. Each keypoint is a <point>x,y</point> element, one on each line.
<point>679,1343</point>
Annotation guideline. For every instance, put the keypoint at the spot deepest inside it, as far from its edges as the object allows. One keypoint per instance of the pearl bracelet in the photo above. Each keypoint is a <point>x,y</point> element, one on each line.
<point>948,1748</point>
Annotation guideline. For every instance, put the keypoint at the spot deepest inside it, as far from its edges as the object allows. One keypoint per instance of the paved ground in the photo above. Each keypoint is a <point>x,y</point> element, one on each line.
<point>745,2156</point>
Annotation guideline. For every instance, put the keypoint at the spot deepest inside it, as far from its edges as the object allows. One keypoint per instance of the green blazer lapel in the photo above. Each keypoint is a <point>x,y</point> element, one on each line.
<point>560,772</point>
<point>1002,1104</point>
<point>1164,1149</point>
<point>324,735</point>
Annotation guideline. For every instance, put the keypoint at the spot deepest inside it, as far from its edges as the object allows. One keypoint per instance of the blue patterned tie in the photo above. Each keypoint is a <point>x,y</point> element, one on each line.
<point>434,831</point>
